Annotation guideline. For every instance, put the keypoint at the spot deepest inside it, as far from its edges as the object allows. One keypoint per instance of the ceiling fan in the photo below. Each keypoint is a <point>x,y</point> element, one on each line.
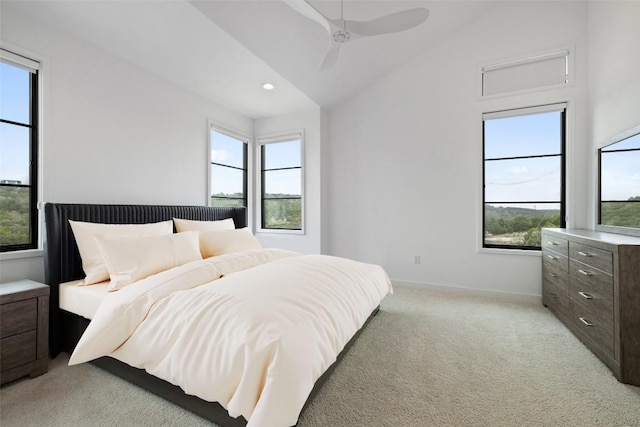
<point>342,31</point>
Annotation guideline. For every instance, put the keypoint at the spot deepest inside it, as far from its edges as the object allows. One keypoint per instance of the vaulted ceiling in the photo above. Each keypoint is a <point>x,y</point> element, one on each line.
<point>225,50</point>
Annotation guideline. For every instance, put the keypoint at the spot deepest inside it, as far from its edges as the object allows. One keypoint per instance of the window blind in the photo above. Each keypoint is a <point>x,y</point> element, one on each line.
<point>19,61</point>
<point>528,73</point>
<point>549,108</point>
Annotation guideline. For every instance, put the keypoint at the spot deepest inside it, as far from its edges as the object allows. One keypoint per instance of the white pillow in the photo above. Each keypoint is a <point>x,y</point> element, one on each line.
<point>85,233</point>
<point>214,243</point>
<point>132,258</point>
<point>193,225</point>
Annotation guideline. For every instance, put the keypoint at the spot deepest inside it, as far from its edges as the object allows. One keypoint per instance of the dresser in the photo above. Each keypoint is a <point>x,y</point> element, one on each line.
<point>24,329</point>
<point>591,282</point>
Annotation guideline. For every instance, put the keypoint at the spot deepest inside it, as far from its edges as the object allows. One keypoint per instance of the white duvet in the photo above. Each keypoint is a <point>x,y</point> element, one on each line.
<point>251,330</point>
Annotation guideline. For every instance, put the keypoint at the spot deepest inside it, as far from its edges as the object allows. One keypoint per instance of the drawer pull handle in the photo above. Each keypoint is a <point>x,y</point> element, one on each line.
<point>554,275</point>
<point>585,272</point>
<point>553,243</point>
<point>586,254</point>
<point>552,257</point>
<point>585,321</point>
<point>585,295</point>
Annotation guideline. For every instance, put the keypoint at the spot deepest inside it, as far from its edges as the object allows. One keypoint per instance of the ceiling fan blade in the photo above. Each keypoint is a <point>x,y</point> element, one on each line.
<point>393,23</point>
<point>331,57</point>
<point>306,9</point>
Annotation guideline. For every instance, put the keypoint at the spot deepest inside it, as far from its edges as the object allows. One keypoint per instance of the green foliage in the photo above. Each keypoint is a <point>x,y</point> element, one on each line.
<point>281,211</point>
<point>14,215</point>
<point>226,203</point>
<point>517,226</point>
<point>621,214</point>
<point>520,223</point>
<point>533,237</point>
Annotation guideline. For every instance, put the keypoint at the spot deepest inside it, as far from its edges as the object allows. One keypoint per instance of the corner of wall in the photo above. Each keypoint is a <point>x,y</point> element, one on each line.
<point>324,188</point>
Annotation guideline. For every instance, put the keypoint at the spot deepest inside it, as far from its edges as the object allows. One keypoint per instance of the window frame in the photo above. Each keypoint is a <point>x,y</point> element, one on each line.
<point>246,163</point>
<point>599,226</point>
<point>271,139</point>
<point>560,107</point>
<point>12,57</point>
<point>566,51</point>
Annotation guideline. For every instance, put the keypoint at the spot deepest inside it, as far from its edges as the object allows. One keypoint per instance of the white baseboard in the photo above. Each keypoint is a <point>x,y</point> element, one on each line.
<point>534,299</point>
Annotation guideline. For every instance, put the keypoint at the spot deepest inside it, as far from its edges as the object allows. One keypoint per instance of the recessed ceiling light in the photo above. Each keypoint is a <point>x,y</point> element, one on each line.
<point>267,86</point>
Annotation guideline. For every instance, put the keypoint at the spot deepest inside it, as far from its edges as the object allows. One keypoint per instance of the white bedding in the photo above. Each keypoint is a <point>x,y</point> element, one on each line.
<point>252,330</point>
<point>83,300</point>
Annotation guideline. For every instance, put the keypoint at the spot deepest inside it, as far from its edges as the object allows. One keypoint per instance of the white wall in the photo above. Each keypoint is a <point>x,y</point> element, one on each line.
<point>324,182</point>
<point>404,157</point>
<point>309,121</point>
<point>614,75</point>
<point>112,133</point>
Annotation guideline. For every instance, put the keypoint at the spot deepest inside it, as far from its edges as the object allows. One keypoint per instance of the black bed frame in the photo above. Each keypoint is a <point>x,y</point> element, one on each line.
<point>63,264</point>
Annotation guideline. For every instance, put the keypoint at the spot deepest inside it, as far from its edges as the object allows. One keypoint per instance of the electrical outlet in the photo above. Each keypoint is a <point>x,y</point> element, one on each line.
<point>416,259</point>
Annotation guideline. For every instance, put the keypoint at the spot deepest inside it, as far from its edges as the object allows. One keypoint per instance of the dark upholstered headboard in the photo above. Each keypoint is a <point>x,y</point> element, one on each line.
<point>62,259</point>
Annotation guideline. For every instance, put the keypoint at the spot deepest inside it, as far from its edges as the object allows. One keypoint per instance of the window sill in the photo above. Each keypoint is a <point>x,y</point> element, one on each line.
<point>29,253</point>
<point>278,231</point>
<point>519,252</point>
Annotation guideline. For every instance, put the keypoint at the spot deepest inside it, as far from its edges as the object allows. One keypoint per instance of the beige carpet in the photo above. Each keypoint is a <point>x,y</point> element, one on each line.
<point>430,358</point>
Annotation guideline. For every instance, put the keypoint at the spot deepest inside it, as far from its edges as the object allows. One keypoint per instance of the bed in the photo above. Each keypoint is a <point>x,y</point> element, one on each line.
<point>277,376</point>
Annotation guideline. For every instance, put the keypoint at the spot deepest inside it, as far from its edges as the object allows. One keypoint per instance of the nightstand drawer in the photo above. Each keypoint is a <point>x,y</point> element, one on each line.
<point>24,325</point>
<point>18,317</point>
<point>18,350</point>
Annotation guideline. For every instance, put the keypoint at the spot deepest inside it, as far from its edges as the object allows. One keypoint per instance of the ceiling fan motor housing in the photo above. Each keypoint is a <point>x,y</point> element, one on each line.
<point>341,36</point>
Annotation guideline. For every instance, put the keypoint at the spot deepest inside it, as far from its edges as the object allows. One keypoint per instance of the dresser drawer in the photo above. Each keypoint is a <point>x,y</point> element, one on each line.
<point>18,317</point>
<point>598,304</point>
<point>603,293</point>
<point>17,350</point>
<point>555,244</point>
<point>598,279</point>
<point>555,298</point>
<point>593,257</point>
<point>597,330</point>
<point>555,258</point>
<point>554,274</point>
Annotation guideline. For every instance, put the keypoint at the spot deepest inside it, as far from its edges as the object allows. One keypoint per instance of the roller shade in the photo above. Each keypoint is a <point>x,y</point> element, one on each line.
<point>528,73</point>
<point>19,61</point>
<point>549,108</point>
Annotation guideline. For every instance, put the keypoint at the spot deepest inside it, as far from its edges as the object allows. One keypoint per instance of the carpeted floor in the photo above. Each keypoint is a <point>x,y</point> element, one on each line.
<point>430,358</point>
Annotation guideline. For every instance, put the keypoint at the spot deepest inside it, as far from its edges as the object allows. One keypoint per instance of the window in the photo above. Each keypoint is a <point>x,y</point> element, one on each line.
<point>228,169</point>
<point>18,152</point>
<point>619,180</point>
<point>546,70</point>
<point>523,175</point>
<point>281,183</point>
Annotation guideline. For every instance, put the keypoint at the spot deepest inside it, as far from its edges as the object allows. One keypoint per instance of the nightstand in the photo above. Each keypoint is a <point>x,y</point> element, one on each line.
<point>24,329</point>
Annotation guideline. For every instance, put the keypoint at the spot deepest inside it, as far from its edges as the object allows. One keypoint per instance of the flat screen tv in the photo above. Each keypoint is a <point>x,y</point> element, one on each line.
<point>619,184</point>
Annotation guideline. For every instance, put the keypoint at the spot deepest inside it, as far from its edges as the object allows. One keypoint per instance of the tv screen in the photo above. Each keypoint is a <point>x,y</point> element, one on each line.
<point>619,185</point>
